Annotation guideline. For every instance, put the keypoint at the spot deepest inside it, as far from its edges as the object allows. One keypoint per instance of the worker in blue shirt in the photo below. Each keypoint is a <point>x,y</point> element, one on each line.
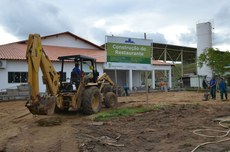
<point>76,75</point>
<point>213,88</point>
<point>76,69</point>
<point>223,89</point>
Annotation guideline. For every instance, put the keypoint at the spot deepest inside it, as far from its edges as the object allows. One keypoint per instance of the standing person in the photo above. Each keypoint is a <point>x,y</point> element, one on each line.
<point>126,88</point>
<point>223,89</point>
<point>205,86</point>
<point>213,88</point>
<point>205,83</point>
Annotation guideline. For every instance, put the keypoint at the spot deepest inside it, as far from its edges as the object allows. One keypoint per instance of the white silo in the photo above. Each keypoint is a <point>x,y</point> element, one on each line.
<point>204,41</point>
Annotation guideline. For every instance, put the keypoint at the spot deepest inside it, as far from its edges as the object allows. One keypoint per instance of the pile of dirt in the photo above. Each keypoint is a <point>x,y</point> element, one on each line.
<point>50,121</point>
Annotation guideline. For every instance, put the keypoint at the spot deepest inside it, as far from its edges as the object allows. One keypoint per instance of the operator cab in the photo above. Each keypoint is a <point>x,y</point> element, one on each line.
<point>87,66</point>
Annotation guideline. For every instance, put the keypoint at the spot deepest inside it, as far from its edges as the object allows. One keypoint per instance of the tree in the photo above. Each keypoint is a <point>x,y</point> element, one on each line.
<point>215,59</point>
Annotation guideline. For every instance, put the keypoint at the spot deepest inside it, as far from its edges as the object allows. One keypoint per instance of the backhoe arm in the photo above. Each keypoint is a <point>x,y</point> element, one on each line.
<point>103,80</point>
<point>105,77</point>
<point>36,59</point>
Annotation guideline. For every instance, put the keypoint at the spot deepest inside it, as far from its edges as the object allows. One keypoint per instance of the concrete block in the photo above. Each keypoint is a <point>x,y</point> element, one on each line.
<point>5,98</point>
<point>12,92</point>
<point>23,93</point>
<point>20,98</point>
<point>11,98</point>
<point>23,87</point>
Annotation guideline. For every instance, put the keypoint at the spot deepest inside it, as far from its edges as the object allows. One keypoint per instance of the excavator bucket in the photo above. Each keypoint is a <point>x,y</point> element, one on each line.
<point>45,106</point>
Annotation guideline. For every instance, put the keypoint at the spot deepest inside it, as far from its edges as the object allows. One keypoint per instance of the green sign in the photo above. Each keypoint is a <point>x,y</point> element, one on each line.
<point>128,53</point>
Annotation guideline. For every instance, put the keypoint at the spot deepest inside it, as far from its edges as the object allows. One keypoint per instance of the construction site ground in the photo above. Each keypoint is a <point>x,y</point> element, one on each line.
<point>169,128</point>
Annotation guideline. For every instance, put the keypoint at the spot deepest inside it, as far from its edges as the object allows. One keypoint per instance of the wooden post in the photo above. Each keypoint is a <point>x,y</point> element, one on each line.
<point>147,87</point>
<point>116,81</point>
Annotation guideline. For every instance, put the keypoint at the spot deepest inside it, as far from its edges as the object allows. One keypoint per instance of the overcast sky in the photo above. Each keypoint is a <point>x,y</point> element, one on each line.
<point>164,21</point>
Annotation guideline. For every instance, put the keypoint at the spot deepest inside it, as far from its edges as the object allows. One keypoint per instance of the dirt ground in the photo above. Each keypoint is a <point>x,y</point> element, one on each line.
<point>169,128</point>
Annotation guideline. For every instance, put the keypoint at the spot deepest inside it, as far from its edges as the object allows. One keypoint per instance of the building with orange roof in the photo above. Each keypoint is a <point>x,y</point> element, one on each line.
<point>13,65</point>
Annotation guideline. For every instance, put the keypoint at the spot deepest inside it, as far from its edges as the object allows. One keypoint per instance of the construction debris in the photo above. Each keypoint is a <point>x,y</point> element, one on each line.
<point>20,92</point>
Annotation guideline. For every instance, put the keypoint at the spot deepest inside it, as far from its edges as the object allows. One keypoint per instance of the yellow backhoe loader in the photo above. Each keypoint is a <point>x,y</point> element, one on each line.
<point>85,91</point>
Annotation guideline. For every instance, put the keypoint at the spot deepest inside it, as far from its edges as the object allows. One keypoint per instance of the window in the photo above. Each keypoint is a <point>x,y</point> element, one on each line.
<point>17,77</point>
<point>86,67</point>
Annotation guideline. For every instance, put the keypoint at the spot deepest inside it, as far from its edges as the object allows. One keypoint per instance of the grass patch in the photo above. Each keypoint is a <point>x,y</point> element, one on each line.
<point>122,112</point>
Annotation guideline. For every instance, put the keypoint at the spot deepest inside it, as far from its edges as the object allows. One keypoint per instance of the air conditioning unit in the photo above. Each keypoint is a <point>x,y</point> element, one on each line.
<point>2,64</point>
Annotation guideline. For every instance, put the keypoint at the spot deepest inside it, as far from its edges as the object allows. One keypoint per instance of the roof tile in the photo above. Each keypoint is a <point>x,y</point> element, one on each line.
<point>17,51</point>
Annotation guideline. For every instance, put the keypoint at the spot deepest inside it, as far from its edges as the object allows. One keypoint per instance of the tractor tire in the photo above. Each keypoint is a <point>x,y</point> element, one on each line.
<point>91,101</point>
<point>110,100</point>
<point>121,92</point>
<point>107,88</point>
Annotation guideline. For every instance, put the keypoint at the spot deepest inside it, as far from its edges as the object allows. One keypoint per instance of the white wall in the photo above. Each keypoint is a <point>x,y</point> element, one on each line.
<point>21,66</point>
<point>100,68</point>
<point>66,41</point>
<point>11,66</point>
<point>136,79</point>
<point>196,81</point>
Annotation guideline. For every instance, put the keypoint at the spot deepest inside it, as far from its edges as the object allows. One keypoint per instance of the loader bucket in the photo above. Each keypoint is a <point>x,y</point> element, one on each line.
<point>45,106</point>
